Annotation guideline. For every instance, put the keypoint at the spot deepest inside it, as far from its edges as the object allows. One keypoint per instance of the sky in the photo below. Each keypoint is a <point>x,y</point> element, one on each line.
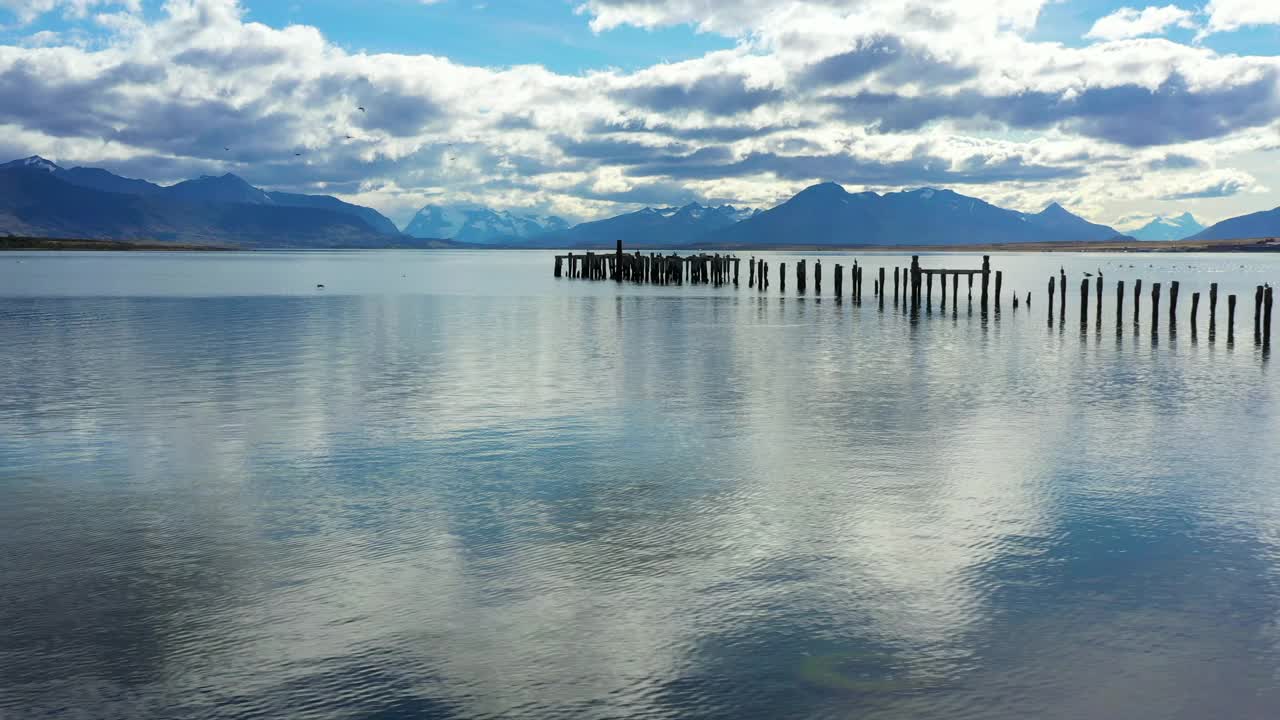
<point>590,108</point>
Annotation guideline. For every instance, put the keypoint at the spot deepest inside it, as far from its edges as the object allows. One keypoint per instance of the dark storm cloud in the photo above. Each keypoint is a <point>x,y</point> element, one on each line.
<point>891,59</point>
<point>32,98</point>
<point>1175,161</point>
<point>723,94</point>
<point>1129,115</point>
<point>615,152</point>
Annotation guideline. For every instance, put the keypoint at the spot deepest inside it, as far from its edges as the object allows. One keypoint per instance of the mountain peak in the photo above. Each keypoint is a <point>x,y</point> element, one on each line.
<point>1054,208</point>
<point>35,162</point>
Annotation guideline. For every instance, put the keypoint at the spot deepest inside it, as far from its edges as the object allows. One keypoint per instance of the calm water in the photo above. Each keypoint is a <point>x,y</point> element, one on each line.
<point>450,486</point>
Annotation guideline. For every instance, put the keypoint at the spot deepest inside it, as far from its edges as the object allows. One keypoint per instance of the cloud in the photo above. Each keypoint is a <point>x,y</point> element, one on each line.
<point>1128,23</point>
<point>1225,15</point>
<point>28,10</point>
<point>1214,185</point>
<point>871,93</point>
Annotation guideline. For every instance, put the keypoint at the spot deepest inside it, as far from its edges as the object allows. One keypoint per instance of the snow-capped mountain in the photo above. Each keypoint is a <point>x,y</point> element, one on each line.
<point>650,227</point>
<point>1169,228</point>
<point>479,225</point>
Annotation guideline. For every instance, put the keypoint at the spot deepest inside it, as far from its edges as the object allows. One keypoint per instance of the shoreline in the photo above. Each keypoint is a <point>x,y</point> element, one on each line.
<point>36,243</point>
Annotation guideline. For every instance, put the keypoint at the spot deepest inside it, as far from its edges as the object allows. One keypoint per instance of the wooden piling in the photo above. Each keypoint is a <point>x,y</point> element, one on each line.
<point>1051,283</point>
<point>1266,317</point>
<point>1231,319</point>
<point>915,281</point>
<point>839,281</point>
<point>955,298</point>
<point>1155,307</point>
<point>782,277</point>
<point>800,278</point>
<point>880,286</point>
<point>1119,305</point>
<point>559,270</point>
<point>1137,303</point>
<point>1084,302</point>
<point>817,277</point>
<point>895,285</point>
<point>736,261</point>
<point>1173,306</point>
<point>1195,310</point>
<point>1098,298</point>
<point>928,294</point>
<point>986,281</point>
<point>1257,314</point>
<point>999,282</point>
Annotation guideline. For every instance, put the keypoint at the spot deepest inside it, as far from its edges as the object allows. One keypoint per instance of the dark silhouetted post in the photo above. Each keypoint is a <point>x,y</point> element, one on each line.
<point>1084,302</point>
<point>782,277</point>
<point>1119,305</point>
<point>559,259</point>
<point>943,287</point>
<point>751,268</point>
<point>1051,282</point>
<point>1257,314</point>
<point>895,285</point>
<point>736,261</point>
<point>1195,310</point>
<point>1213,308</point>
<point>1266,318</point>
<point>986,281</point>
<point>839,278</point>
<point>1098,299</point>
<point>1231,320</point>
<point>1173,306</point>
<point>1155,307</point>
<point>1137,303</point>
<point>955,293</point>
<point>800,276</point>
<point>617,262</point>
<point>915,281</point>
<point>999,282</point>
<point>928,293</point>
<point>880,286</point>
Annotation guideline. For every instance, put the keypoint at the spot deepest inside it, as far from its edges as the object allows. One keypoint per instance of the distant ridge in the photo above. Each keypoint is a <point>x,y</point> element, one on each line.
<point>38,198</point>
<point>1169,228</point>
<point>1254,225</point>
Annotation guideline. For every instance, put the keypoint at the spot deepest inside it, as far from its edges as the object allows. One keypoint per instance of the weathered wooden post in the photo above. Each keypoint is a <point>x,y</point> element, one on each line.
<point>943,287</point>
<point>915,281</point>
<point>800,273</point>
<point>986,280</point>
<point>839,282</point>
<point>1173,307</point>
<point>1195,310</point>
<point>1213,310</point>
<point>782,277</point>
<point>1015,300</point>
<point>1137,303</point>
<point>955,298</point>
<point>1266,318</point>
<point>617,262</point>
<point>1119,305</point>
<point>1098,296</point>
<point>1051,283</point>
<point>1231,320</point>
<point>880,286</point>
<point>895,285</point>
<point>970,293</point>
<point>1155,307</point>
<point>817,277</point>
<point>999,282</point>
<point>751,268</point>
<point>928,293</point>
<point>1084,302</point>
<point>1257,314</point>
<point>736,262</point>
<point>559,259</point>
<point>1062,300</point>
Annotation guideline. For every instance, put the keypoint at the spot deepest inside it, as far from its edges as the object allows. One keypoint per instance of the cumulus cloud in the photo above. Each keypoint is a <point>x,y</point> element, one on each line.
<point>1227,15</point>
<point>871,93</point>
<point>1128,23</point>
<point>1214,185</point>
<point>28,10</point>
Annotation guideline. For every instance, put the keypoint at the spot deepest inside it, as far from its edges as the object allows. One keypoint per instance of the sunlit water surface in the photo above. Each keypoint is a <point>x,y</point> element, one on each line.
<point>450,486</point>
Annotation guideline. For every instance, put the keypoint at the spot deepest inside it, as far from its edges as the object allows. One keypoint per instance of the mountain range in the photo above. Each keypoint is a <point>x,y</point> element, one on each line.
<point>39,198</point>
<point>1168,228</point>
<point>42,199</point>
<point>827,214</point>
<point>479,225</point>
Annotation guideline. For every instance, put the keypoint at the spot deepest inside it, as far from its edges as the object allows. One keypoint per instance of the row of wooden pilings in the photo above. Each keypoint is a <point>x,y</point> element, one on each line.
<point>913,285</point>
<point>1262,301</point>
<point>653,268</point>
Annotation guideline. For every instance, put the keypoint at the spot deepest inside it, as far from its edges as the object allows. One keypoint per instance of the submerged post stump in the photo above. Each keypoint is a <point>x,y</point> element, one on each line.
<point>1257,314</point>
